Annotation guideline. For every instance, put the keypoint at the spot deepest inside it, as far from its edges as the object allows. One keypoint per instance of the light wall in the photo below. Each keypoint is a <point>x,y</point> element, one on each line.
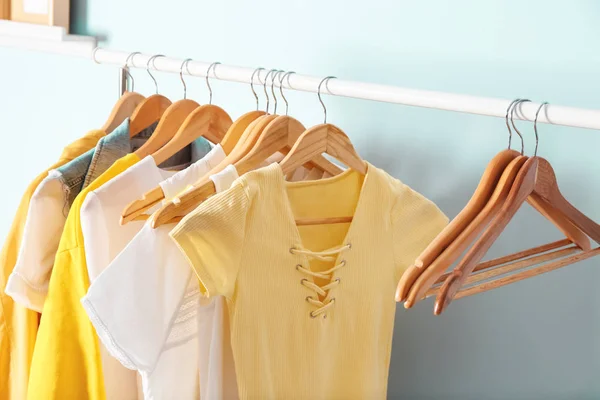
<point>538,339</point>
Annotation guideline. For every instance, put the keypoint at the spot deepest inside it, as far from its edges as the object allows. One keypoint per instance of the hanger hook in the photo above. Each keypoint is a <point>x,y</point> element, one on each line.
<point>512,122</point>
<point>94,54</point>
<point>281,88</point>
<point>319,95</point>
<point>252,84</point>
<point>275,75</point>
<point>512,103</point>
<point>151,60</point>
<point>213,66</point>
<point>126,66</point>
<point>265,87</point>
<point>537,139</point>
<point>184,64</point>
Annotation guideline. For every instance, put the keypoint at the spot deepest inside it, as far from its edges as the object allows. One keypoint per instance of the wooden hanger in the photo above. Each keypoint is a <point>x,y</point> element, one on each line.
<point>483,192</point>
<point>128,101</point>
<point>557,262</point>
<point>419,279</point>
<point>536,176</point>
<point>151,109</point>
<point>469,234</point>
<point>188,201</point>
<point>136,209</point>
<point>170,122</point>
<point>279,136</point>
<point>209,121</point>
<point>513,262</point>
<point>329,139</point>
<point>236,135</point>
<point>123,109</point>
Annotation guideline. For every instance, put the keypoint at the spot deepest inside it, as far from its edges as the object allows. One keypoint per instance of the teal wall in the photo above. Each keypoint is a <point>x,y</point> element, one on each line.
<point>538,339</point>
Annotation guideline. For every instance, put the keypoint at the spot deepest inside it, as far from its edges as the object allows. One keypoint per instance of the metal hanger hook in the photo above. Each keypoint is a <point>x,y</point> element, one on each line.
<point>319,95</point>
<point>151,60</point>
<point>184,64</point>
<point>281,88</point>
<point>252,84</point>
<point>94,54</point>
<point>126,67</point>
<point>512,103</point>
<point>265,87</point>
<point>213,66</point>
<point>275,75</point>
<point>537,138</point>
<point>512,122</point>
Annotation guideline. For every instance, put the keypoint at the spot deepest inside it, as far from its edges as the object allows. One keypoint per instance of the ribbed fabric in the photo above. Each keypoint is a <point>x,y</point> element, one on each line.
<point>241,245</point>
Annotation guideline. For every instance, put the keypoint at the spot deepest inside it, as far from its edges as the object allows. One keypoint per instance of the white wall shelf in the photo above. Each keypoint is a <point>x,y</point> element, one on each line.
<point>50,39</point>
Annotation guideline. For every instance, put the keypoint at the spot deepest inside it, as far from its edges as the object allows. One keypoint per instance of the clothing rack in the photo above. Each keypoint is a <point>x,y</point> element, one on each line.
<point>552,114</point>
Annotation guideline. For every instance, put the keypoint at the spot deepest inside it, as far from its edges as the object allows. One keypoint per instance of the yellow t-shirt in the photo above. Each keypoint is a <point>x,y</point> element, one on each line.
<point>66,360</point>
<point>19,325</point>
<point>311,308</point>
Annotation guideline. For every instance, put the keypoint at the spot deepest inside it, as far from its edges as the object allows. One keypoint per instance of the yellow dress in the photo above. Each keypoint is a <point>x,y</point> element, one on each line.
<point>66,360</point>
<point>311,308</point>
<point>19,325</point>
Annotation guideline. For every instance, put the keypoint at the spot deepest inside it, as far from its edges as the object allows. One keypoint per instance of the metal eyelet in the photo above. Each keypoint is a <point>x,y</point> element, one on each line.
<point>343,263</point>
<point>312,315</point>
<point>309,297</point>
<point>338,280</point>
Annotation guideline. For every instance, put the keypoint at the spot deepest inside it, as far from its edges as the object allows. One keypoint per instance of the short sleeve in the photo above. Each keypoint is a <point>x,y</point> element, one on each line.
<point>416,221</point>
<point>96,235</point>
<point>133,302</point>
<point>28,283</point>
<point>212,238</point>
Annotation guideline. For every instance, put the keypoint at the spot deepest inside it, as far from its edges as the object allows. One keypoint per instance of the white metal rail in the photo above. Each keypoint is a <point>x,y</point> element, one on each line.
<point>554,114</point>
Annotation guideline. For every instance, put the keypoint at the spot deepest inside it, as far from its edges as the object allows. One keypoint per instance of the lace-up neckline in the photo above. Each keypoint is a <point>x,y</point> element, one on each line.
<point>322,291</point>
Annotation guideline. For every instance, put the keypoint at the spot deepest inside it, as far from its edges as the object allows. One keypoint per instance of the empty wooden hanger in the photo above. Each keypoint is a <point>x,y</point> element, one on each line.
<point>128,101</point>
<point>482,194</point>
<point>427,275</point>
<point>150,109</point>
<point>535,177</point>
<point>171,120</point>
